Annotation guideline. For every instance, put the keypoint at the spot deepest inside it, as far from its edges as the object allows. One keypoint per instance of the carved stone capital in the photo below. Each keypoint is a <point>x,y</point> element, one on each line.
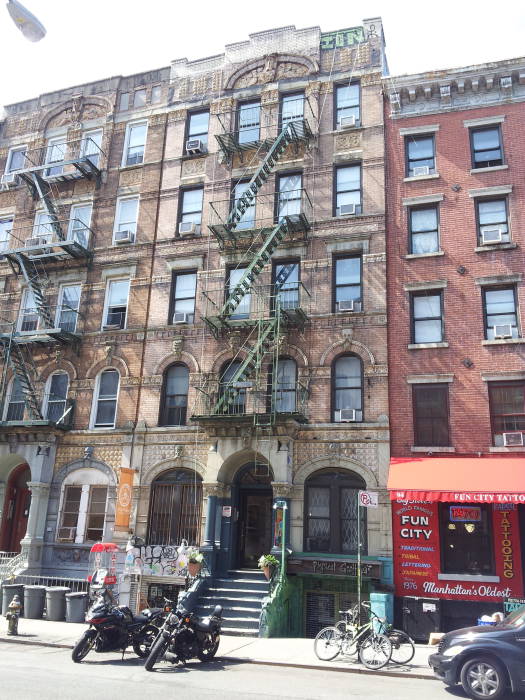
<point>282,489</point>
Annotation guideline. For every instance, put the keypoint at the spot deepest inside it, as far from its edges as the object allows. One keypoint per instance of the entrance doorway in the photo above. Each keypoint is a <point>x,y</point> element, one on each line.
<point>16,509</point>
<point>254,526</point>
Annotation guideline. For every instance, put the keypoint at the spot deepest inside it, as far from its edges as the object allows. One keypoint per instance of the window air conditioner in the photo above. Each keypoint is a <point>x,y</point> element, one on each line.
<point>489,236</point>
<point>346,209</point>
<point>188,228</point>
<point>513,439</point>
<point>195,147</point>
<point>112,327</point>
<point>241,385</point>
<point>503,330</point>
<point>420,170</point>
<point>124,237</point>
<point>8,180</point>
<point>347,122</point>
<point>180,318</point>
<point>37,241</point>
<point>345,415</point>
<point>347,305</point>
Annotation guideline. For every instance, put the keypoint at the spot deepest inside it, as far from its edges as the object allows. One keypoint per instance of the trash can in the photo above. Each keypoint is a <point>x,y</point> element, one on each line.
<point>34,600</point>
<point>76,604</point>
<point>56,603</point>
<point>9,590</point>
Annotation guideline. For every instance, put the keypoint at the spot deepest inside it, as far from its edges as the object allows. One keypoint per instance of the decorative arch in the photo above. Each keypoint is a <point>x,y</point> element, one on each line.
<point>332,462</point>
<point>76,109</point>
<point>347,346</point>
<point>67,469</point>
<point>269,68</point>
<point>116,363</point>
<point>223,357</point>
<point>189,463</point>
<point>10,462</point>
<point>54,367</point>
<point>184,358</point>
<point>295,353</point>
<point>234,462</point>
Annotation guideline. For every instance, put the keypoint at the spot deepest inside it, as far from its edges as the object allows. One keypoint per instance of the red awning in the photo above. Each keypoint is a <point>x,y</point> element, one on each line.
<point>459,479</point>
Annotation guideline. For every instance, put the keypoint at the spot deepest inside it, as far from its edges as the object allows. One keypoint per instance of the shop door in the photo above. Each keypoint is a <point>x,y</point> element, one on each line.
<point>255,526</point>
<point>16,510</point>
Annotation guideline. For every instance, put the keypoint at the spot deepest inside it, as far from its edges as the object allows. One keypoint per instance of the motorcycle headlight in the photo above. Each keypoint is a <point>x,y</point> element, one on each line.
<point>453,650</point>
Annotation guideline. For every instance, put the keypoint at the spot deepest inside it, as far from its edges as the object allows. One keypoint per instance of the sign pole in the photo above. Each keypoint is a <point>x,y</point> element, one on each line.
<point>359,556</point>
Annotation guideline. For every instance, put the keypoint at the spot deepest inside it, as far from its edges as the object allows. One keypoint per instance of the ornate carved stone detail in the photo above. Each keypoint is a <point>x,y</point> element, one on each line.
<point>214,488</point>
<point>282,489</point>
<point>347,142</point>
<point>177,345</point>
<point>130,177</point>
<point>179,115</point>
<point>129,381</point>
<point>196,166</point>
<point>374,258</point>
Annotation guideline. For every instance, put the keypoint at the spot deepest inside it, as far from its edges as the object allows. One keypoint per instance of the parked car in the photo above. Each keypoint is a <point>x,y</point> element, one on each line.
<point>486,660</point>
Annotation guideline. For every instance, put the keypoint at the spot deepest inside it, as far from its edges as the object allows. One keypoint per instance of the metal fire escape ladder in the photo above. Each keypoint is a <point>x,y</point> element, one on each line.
<point>43,191</point>
<point>28,269</point>
<point>15,354</point>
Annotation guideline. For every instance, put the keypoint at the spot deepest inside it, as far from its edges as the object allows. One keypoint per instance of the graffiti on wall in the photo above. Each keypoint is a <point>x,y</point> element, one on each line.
<point>159,560</point>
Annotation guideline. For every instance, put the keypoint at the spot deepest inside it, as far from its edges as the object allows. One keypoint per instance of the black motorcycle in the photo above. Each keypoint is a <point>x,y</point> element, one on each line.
<point>113,628</point>
<point>184,636</point>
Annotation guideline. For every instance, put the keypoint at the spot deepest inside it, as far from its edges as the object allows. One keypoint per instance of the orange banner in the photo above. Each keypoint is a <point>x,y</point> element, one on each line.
<point>124,499</point>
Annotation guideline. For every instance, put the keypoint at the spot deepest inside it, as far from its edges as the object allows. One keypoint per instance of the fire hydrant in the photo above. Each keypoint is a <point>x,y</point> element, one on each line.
<point>13,613</point>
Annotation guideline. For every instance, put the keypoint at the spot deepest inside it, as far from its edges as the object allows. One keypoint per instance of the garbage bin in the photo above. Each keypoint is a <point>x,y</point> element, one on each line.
<point>56,603</point>
<point>76,604</point>
<point>34,599</point>
<point>9,590</point>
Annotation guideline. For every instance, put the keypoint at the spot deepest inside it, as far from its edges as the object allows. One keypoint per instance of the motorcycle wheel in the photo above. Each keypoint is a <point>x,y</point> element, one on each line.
<point>84,646</point>
<point>157,651</point>
<point>207,652</point>
<point>142,645</point>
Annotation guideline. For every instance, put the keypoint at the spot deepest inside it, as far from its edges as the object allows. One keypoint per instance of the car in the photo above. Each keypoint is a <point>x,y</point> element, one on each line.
<point>486,660</point>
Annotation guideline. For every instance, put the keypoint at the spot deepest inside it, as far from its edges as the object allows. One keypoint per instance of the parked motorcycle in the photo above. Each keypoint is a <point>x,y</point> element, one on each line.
<point>113,628</point>
<point>184,636</point>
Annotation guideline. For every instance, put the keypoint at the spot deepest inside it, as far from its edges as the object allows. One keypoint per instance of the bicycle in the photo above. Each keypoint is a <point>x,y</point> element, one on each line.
<point>403,648</point>
<point>348,636</point>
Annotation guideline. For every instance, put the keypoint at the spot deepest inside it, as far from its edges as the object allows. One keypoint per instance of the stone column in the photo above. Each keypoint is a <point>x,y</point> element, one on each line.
<point>34,537</point>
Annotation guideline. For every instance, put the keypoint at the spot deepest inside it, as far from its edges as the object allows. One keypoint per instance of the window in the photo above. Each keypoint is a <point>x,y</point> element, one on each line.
<point>67,308</point>
<point>135,144</point>
<point>284,398</point>
<point>420,155</point>
<point>507,409</point>
<point>348,190</point>
<point>289,193</point>
<point>424,230</point>
<point>105,407</point>
<point>42,228</point>
<point>55,396</point>
<point>242,309</point>
<point>139,98</point>
<point>116,306</point>
<point>346,105</point>
<point>124,102</point>
<point>493,225</point>
<point>28,320</point>
<point>238,405</point>
<point>466,547</point>
<point>183,301</point>
<point>427,318</point>
<point>249,121</point>
<point>79,223</point>
<point>286,284</point>
<point>501,318</point>
<point>347,389</point>
<point>247,219</point>
<point>430,403</point>
<point>83,507</point>
<point>292,108</point>
<point>91,146</point>
<point>331,513</point>
<point>174,400</point>
<point>55,153</point>
<point>156,94</point>
<point>191,210</point>
<point>125,227</point>
<point>347,284</point>
<point>175,508</point>
<point>16,403</point>
<point>6,226</point>
<point>197,127</point>
<point>16,159</point>
<point>486,147</point>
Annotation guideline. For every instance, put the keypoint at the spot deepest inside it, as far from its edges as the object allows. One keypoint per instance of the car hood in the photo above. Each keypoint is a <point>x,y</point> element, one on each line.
<point>470,633</point>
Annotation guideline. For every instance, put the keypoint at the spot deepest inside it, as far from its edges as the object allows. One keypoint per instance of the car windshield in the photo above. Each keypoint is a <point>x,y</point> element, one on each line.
<point>515,619</point>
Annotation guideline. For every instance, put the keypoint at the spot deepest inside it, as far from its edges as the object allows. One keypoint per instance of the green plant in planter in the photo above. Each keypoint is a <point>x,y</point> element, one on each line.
<point>268,563</point>
<point>196,557</point>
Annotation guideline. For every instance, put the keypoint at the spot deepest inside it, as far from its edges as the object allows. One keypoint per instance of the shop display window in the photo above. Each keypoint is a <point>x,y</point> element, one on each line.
<point>466,540</point>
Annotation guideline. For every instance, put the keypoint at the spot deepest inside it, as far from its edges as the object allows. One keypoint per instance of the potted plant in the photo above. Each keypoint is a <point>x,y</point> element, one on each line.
<point>267,563</point>
<point>195,560</point>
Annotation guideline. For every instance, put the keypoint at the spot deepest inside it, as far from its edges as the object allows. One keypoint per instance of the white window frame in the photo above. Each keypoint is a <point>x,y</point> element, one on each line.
<point>84,143</point>
<point>60,301</point>
<point>51,142</point>
<point>47,392</point>
<point>86,480</point>
<point>74,207</point>
<point>129,128</point>
<point>12,150</point>
<point>39,227</point>
<point>4,245</point>
<point>118,223</point>
<point>9,394</point>
<point>106,300</point>
<point>23,305</point>
<point>94,405</point>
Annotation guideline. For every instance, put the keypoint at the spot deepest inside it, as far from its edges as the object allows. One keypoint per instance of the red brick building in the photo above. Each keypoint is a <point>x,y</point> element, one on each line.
<point>455,237</point>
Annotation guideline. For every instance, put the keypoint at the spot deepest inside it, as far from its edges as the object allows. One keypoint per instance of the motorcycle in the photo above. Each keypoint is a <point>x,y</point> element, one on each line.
<point>184,636</point>
<point>113,628</point>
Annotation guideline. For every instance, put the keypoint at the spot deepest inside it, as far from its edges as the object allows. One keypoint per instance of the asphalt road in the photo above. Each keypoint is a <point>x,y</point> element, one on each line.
<point>39,673</point>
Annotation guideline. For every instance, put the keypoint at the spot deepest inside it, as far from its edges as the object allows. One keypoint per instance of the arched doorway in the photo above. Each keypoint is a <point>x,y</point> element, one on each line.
<point>253,537</point>
<point>16,509</point>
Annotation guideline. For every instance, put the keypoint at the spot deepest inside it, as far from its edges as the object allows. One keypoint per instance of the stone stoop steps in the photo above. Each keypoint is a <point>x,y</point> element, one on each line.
<point>240,595</point>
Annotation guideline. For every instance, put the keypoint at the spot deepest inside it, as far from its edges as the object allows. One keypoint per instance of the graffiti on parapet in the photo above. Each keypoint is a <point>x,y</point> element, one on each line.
<point>158,560</point>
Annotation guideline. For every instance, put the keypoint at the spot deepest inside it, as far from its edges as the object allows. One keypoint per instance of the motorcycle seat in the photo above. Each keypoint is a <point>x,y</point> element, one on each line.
<point>141,618</point>
<point>203,624</point>
<point>152,612</point>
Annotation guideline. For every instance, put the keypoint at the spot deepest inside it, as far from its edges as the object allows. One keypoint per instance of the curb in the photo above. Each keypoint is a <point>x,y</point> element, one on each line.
<point>236,659</point>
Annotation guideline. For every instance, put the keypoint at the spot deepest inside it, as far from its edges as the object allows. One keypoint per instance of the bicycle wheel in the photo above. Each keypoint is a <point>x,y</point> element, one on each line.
<point>403,648</point>
<point>375,651</point>
<point>327,644</point>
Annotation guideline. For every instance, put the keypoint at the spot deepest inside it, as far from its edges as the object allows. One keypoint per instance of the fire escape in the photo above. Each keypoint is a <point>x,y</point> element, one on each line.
<point>31,253</point>
<point>255,314</point>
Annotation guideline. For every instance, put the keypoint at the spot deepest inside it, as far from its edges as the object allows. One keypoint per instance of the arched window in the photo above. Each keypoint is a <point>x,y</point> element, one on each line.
<point>330,519</point>
<point>16,404</point>
<point>175,508</point>
<point>174,400</point>
<point>236,391</point>
<point>347,389</point>
<point>284,391</point>
<point>105,399</point>
<point>54,405</point>
<point>83,506</point>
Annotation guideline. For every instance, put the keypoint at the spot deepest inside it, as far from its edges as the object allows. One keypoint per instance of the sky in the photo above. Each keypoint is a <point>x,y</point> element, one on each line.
<point>87,41</point>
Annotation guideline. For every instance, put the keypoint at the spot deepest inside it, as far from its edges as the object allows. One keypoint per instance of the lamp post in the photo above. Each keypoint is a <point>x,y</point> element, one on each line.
<point>281,503</point>
<point>28,24</point>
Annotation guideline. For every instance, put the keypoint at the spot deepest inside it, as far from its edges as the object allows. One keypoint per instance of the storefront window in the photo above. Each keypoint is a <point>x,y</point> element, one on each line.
<point>466,539</point>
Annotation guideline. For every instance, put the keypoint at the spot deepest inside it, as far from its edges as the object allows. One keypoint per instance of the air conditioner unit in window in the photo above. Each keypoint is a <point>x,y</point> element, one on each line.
<point>346,415</point>
<point>124,237</point>
<point>513,439</point>
<point>241,385</point>
<point>37,241</point>
<point>347,122</point>
<point>112,327</point>
<point>347,305</point>
<point>489,236</point>
<point>9,180</point>
<point>188,228</point>
<point>180,317</point>
<point>420,170</point>
<point>195,147</point>
<point>503,330</point>
<point>346,209</point>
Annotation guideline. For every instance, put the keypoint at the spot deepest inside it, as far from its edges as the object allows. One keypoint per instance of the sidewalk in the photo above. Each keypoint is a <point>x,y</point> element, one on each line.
<point>273,652</point>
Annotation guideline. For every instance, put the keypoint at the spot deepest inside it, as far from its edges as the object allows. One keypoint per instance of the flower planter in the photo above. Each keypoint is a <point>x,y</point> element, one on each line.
<point>194,568</point>
<point>267,571</point>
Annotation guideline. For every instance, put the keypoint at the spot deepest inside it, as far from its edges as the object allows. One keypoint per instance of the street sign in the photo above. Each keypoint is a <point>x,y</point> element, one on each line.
<point>368,499</point>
